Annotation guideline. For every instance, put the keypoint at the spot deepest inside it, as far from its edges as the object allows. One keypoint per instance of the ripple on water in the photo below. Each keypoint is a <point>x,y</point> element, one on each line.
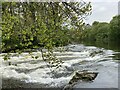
<point>79,57</point>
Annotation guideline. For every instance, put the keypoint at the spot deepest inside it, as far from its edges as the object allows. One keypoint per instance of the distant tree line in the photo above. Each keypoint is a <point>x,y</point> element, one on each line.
<point>100,32</point>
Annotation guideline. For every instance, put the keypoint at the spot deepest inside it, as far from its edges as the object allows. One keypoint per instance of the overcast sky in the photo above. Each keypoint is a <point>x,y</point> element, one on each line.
<point>103,10</point>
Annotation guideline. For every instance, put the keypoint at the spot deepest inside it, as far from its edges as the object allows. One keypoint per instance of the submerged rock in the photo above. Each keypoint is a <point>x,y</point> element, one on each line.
<point>80,76</point>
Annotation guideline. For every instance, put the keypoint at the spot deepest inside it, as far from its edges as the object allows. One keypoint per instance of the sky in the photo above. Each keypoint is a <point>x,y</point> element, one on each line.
<point>102,10</point>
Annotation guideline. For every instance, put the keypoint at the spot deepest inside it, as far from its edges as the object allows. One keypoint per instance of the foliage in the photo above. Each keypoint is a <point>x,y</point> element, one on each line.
<point>44,25</point>
<point>103,32</point>
<point>114,32</point>
<point>39,24</point>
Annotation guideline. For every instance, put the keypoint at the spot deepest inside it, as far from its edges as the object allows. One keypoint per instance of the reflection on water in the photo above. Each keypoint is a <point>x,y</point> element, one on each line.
<point>115,46</point>
<point>111,45</point>
<point>26,72</point>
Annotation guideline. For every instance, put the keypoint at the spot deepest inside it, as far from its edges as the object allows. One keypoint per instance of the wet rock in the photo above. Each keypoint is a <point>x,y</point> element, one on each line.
<point>84,76</point>
<point>68,87</point>
<point>96,52</point>
<point>80,75</point>
<point>83,62</point>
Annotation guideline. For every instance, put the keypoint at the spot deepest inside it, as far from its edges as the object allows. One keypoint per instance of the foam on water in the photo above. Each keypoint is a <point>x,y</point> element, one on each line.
<point>77,53</point>
<point>13,74</point>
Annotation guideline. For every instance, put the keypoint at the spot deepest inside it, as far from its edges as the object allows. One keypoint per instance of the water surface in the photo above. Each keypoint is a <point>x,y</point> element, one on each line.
<point>29,73</point>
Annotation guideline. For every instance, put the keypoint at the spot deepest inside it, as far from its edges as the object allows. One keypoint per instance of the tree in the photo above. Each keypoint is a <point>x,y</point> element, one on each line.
<point>95,23</point>
<point>114,32</point>
<point>98,32</point>
<point>30,24</point>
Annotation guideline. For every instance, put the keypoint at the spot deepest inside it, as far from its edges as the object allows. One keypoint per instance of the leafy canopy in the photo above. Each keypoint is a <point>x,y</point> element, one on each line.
<point>40,24</point>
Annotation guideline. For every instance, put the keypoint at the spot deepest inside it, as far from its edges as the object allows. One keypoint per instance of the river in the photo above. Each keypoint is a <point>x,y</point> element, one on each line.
<point>24,72</point>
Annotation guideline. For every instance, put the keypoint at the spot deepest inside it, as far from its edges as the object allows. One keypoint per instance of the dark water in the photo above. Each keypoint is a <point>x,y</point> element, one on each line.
<point>115,46</point>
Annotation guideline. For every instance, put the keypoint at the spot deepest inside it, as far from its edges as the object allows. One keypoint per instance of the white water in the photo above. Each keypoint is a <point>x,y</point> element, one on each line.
<point>78,57</point>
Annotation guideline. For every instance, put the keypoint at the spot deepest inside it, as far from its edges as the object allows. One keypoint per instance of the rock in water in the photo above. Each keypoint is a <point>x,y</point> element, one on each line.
<point>84,76</point>
<point>68,87</point>
<point>80,75</point>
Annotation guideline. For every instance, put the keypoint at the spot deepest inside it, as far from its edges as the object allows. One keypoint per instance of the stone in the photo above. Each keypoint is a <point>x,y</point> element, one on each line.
<point>84,76</point>
<point>80,76</point>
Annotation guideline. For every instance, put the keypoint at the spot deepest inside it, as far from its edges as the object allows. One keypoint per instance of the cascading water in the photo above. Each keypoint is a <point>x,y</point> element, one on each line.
<point>23,71</point>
